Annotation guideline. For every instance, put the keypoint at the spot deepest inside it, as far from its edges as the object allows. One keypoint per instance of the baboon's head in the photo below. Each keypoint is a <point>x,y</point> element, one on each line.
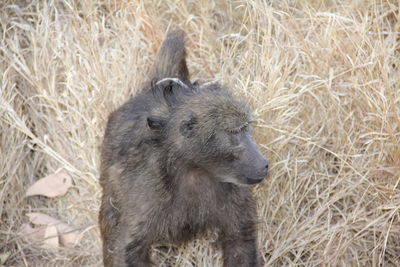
<point>211,131</point>
<point>205,130</point>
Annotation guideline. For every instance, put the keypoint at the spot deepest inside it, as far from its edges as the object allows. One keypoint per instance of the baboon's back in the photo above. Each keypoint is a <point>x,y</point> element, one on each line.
<point>127,127</point>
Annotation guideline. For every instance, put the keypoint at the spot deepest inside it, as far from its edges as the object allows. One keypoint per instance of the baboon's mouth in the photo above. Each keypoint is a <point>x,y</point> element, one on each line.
<point>253,181</point>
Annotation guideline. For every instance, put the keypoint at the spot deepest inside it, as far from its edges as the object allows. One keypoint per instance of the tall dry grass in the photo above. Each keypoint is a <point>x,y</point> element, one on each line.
<point>323,77</point>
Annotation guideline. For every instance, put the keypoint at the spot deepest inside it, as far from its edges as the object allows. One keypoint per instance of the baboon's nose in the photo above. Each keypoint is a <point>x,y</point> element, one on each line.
<point>262,172</point>
<point>266,168</point>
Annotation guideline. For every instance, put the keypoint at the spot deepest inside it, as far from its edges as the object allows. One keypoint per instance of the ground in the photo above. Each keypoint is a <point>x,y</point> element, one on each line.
<point>322,77</point>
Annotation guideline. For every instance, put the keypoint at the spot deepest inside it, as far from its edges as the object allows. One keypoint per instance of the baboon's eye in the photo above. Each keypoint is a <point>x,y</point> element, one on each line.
<point>239,130</point>
<point>187,127</point>
<point>156,123</point>
<point>231,157</point>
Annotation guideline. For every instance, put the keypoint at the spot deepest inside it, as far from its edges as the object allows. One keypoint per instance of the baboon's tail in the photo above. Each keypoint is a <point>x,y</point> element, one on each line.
<point>170,61</point>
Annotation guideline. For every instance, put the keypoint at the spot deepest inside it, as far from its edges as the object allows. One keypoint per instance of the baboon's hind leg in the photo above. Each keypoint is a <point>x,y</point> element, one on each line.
<point>108,218</point>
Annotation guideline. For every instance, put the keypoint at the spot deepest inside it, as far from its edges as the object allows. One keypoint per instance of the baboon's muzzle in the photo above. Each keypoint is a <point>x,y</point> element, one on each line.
<point>253,165</point>
<point>261,173</point>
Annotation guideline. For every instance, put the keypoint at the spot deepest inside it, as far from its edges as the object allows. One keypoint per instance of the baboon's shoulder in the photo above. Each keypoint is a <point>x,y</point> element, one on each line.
<point>127,133</point>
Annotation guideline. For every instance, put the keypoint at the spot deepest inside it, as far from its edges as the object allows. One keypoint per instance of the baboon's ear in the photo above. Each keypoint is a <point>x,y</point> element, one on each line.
<point>187,127</point>
<point>156,123</point>
<point>169,93</point>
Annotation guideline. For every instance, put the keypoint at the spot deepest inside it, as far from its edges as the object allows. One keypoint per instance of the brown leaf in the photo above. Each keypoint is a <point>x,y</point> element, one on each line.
<point>69,236</point>
<point>51,186</point>
<point>42,219</point>
<point>34,234</point>
<point>50,237</point>
<point>70,239</point>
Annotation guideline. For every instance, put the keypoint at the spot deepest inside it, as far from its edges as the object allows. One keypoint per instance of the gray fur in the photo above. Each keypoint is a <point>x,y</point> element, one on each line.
<point>175,163</point>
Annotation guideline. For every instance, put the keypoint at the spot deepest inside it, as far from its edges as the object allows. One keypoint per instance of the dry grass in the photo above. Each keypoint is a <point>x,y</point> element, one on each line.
<point>323,76</point>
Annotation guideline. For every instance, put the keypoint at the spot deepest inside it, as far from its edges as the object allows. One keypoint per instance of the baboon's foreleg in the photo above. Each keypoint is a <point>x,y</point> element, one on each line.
<point>239,243</point>
<point>240,252</point>
<point>137,253</point>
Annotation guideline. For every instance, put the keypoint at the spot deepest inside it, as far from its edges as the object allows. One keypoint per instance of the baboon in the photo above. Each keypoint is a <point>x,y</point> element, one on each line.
<point>177,161</point>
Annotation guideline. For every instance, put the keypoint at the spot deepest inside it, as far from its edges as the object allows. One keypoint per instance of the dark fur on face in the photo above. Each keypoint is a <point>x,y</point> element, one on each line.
<point>174,163</point>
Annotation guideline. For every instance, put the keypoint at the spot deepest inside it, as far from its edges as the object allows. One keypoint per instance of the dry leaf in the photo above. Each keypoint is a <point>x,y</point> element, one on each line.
<point>42,219</point>
<point>70,239</point>
<point>51,186</point>
<point>69,236</point>
<point>46,234</point>
<point>34,234</point>
<point>50,237</point>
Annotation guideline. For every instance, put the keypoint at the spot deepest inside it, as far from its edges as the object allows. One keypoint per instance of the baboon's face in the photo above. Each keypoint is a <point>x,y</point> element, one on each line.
<point>211,131</point>
<point>230,156</point>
